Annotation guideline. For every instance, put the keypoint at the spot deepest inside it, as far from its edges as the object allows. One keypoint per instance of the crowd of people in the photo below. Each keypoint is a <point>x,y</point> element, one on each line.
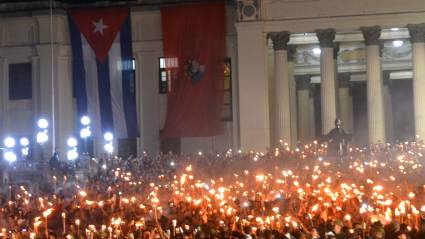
<point>289,193</point>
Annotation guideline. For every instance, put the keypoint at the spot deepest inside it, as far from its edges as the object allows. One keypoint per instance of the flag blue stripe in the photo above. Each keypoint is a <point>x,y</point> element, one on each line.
<point>105,104</point>
<point>79,72</point>
<point>128,84</point>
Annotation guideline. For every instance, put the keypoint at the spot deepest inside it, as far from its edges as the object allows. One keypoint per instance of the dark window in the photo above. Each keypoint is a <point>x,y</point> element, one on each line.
<point>130,67</point>
<point>20,81</point>
<point>165,66</point>
<point>226,114</point>
<point>163,84</point>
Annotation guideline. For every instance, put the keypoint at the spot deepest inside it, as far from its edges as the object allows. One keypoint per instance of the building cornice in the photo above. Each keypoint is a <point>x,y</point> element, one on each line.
<point>29,8</point>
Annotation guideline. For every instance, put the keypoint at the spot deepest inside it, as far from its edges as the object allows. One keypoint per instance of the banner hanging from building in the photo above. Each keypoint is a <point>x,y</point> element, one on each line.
<point>103,69</point>
<point>194,48</point>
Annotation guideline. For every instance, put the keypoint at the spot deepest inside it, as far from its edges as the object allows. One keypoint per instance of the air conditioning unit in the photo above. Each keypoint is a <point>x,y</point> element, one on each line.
<point>248,10</point>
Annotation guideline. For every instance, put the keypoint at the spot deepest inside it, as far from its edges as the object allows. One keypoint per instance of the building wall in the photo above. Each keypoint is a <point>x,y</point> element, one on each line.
<point>147,45</point>
<point>298,9</point>
<point>26,38</point>
<point>301,18</point>
<point>345,16</point>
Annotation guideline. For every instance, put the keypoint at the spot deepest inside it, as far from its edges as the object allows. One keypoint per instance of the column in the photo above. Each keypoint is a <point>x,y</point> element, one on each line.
<point>388,106</point>
<point>3,97</point>
<point>45,99</point>
<point>375,99</point>
<point>149,102</point>
<point>253,87</point>
<point>292,94</point>
<point>312,110</point>
<point>35,68</point>
<point>64,109</point>
<point>327,78</point>
<point>305,131</point>
<point>55,104</point>
<point>335,55</point>
<point>281,126</point>
<point>417,37</point>
<point>345,102</point>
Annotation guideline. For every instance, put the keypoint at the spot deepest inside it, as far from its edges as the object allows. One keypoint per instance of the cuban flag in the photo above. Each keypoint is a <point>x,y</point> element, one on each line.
<point>103,70</point>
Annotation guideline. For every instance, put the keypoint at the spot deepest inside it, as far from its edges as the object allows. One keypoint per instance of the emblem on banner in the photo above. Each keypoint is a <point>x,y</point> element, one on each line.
<point>194,71</point>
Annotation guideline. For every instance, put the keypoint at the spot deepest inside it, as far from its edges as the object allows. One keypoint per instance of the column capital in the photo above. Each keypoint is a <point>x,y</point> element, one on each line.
<point>344,79</point>
<point>417,32</point>
<point>292,50</point>
<point>280,40</point>
<point>326,37</point>
<point>371,35</point>
<point>303,82</point>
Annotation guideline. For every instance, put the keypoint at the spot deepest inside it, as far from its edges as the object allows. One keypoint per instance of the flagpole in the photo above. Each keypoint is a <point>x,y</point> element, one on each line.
<point>52,77</point>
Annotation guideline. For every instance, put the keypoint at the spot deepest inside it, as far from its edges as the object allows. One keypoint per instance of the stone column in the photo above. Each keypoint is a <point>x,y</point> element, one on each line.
<point>292,94</point>
<point>35,68</point>
<point>253,94</point>
<point>312,114</point>
<point>280,86</point>
<point>64,109</point>
<point>3,97</point>
<point>59,112</point>
<point>335,55</point>
<point>327,78</point>
<point>149,114</point>
<point>375,99</point>
<point>45,94</point>
<point>417,37</point>
<point>388,106</point>
<point>345,102</point>
<point>305,131</point>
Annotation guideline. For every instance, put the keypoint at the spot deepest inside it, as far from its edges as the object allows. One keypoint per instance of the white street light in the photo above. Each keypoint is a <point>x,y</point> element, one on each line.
<point>42,123</point>
<point>109,148</point>
<point>24,142</point>
<point>25,151</point>
<point>9,142</point>
<point>108,136</point>
<point>85,120</point>
<point>72,142</point>
<point>85,132</point>
<point>317,51</point>
<point>10,156</point>
<point>398,43</point>
<point>72,154</point>
<point>42,137</point>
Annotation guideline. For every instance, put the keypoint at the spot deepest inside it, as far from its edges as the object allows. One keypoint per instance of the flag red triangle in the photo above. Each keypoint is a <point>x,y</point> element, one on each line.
<point>100,27</point>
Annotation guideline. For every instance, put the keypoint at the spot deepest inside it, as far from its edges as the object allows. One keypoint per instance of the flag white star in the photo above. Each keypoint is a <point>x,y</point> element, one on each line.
<point>99,26</point>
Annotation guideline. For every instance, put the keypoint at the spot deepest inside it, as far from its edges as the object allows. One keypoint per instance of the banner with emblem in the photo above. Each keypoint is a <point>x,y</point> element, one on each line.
<point>103,70</point>
<point>194,45</point>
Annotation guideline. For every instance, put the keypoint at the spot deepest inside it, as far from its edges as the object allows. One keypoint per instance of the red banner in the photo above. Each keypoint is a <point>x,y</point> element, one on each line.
<point>194,42</point>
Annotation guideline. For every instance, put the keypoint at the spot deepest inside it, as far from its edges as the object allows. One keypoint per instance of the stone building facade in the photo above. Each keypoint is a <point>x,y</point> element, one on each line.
<point>296,65</point>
